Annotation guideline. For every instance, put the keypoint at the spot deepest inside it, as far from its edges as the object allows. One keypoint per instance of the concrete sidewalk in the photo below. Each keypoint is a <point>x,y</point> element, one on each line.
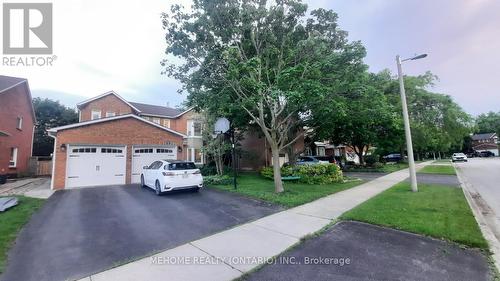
<point>231,253</point>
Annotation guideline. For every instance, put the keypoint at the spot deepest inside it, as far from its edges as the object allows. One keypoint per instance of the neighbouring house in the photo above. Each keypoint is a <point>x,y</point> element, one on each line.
<point>115,138</point>
<point>255,151</point>
<point>17,123</point>
<point>485,142</point>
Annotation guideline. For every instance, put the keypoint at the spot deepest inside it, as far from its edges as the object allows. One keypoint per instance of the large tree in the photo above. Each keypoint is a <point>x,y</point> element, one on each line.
<point>49,114</point>
<point>437,123</point>
<point>263,60</point>
<point>360,116</point>
<point>488,122</point>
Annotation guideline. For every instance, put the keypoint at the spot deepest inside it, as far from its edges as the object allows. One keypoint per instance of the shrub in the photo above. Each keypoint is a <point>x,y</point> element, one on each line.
<point>311,174</point>
<point>370,160</point>
<point>208,170</point>
<point>217,180</point>
<point>378,165</point>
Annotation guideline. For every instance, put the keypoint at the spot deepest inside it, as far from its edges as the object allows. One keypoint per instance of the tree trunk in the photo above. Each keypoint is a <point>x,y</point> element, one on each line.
<point>361,158</point>
<point>278,184</point>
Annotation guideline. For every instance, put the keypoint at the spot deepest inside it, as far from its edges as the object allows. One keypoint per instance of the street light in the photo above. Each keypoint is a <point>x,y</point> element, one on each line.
<point>406,119</point>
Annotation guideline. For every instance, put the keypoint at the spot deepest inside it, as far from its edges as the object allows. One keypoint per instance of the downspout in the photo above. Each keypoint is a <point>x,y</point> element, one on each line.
<point>53,161</point>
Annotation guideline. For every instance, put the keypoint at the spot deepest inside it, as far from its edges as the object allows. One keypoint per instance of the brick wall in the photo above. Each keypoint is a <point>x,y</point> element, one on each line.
<point>104,104</point>
<point>15,103</point>
<point>127,132</point>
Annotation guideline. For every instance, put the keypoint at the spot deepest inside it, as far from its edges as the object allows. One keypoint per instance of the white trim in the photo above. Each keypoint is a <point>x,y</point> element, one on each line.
<point>79,115</point>
<point>14,151</point>
<point>97,111</point>
<point>118,117</point>
<point>106,94</point>
<point>184,112</point>
<point>13,86</point>
<point>168,116</point>
<point>32,139</point>
<point>53,162</point>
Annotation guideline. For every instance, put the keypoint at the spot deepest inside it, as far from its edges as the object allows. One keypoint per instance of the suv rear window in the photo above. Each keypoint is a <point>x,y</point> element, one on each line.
<point>182,166</point>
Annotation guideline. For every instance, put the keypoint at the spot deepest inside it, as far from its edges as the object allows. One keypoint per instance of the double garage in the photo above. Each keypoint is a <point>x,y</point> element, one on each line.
<point>110,151</point>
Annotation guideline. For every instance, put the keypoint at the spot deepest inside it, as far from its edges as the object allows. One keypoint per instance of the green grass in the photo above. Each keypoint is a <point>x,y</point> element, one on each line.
<point>255,186</point>
<point>435,210</point>
<point>438,169</point>
<point>11,222</point>
<point>387,168</point>
<point>442,161</point>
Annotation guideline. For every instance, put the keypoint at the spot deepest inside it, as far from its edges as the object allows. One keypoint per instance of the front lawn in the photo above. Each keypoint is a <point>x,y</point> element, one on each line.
<point>438,169</point>
<point>256,186</point>
<point>386,168</point>
<point>435,210</point>
<point>11,222</point>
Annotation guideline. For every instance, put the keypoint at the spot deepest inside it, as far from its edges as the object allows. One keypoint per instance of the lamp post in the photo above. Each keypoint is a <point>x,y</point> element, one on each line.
<point>406,119</point>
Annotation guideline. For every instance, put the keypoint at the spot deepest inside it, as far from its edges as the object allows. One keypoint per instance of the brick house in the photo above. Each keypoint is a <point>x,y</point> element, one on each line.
<point>115,138</point>
<point>485,142</point>
<point>17,123</point>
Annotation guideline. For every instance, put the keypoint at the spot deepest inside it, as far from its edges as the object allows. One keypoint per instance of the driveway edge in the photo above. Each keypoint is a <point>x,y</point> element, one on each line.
<point>469,190</point>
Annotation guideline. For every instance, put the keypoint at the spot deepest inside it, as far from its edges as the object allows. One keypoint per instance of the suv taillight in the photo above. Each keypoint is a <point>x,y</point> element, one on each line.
<point>197,172</point>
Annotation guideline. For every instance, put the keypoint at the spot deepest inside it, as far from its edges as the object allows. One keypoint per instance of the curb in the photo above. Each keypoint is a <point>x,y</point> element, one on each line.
<point>485,228</point>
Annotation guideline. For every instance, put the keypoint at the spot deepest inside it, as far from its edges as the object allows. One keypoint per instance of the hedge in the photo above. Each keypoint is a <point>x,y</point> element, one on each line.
<point>311,174</point>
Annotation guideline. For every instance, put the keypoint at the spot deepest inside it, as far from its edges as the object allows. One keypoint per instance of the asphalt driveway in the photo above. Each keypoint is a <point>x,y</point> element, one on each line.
<point>359,251</point>
<point>84,231</point>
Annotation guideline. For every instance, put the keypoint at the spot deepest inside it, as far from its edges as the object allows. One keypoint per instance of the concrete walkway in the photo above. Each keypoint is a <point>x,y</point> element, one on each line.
<point>231,253</point>
<point>31,187</point>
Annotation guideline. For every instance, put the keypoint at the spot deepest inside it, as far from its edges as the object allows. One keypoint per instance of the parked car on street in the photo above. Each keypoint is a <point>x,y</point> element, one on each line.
<point>309,160</point>
<point>486,153</point>
<point>393,157</point>
<point>169,175</point>
<point>458,157</point>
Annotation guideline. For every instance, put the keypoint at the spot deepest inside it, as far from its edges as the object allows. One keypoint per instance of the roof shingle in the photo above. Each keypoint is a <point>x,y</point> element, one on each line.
<point>483,136</point>
<point>149,109</point>
<point>8,81</point>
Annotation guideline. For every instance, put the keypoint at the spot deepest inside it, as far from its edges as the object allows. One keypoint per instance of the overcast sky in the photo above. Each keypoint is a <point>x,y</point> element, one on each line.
<point>117,45</point>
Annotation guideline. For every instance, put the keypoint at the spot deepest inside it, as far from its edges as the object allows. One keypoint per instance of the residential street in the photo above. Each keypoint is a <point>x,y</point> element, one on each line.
<point>84,231</point>
<point>483,174</point>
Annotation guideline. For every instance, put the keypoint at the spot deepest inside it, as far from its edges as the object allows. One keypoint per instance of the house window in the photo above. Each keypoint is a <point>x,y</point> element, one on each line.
<point>194,128</point>
<point>195,155</point>
<point>320,151</point>
<point>166,123</point>
<point>96,114</point>
<point>19,123</point>
<point>156,121</point>
<point>13,157</point>
<point>110,113</point>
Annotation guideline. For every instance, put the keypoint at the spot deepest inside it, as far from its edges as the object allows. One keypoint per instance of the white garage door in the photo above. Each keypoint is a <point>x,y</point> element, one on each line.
<point>144,156</point>
<point>95,165</point>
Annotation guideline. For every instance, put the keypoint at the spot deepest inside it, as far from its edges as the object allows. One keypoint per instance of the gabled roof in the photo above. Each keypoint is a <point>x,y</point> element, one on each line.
<point>485,136</point>
<point>484,146</point>
<point>142,108</point>
<point>107,119</point>
<point>156,110</point>
<point>8,82</point>
<point>106,94</point>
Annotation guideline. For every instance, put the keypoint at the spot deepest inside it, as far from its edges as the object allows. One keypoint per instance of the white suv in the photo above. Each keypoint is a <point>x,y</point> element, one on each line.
<point>169,175</point>
<point>458,157</point>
